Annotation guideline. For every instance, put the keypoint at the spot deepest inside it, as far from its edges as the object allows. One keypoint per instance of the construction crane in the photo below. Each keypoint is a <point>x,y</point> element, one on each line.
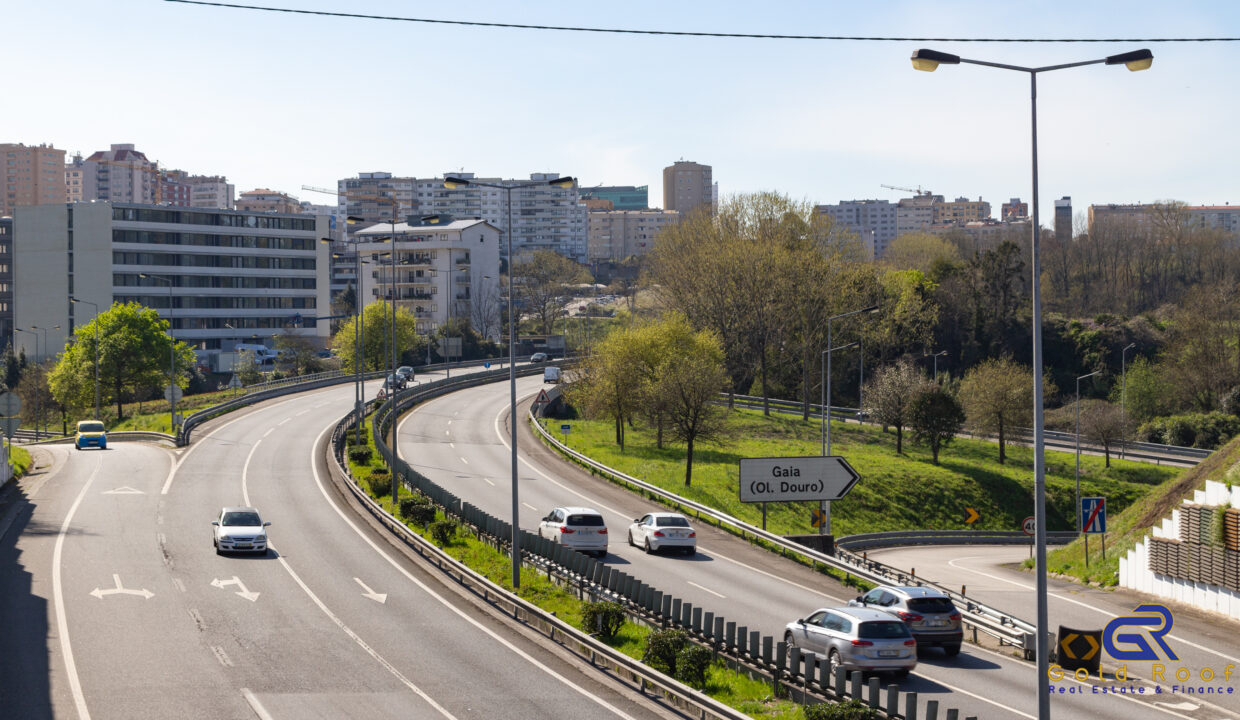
<point>916,190</point>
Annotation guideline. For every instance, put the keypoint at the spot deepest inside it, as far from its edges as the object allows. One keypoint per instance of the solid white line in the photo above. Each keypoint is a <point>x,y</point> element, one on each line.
<point>452,445</point>
<point>712,592</point>
<point>530,506</point>
<point>62,621</point>
<point>464,461</point>
<point>489,482</point>
<point>444,601</point>
<point>255,705</point>
<point>1078,602</point>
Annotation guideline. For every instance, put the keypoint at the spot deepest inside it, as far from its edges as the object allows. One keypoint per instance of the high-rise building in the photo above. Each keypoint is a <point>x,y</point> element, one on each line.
<point>177,187</point>
<point>1216,217</point>
<point>873,221</point>
<point>30,175</point>
<point>378,197</point>
<point>618,234</point>
<point>1063,219</point>
<point>6,281</point>
<point>264,200</point>
<point>687,185</point>
<point>235,276</point>
<point>916,214</point>
<point>119,174</point>
<point>622,197</point>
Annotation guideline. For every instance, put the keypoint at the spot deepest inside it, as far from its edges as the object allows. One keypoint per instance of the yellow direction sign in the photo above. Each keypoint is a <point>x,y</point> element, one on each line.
<point>973,516</point>
<point>816,518</point>
<point>1079,649</point>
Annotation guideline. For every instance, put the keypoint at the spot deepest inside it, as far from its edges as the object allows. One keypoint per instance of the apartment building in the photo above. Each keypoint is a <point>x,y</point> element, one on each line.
<point>1139,215</point>
<point>221,276</point>
<point>30,175</point>
<point>1063,219</point>
<point>1216,217</point>
<point>177,187</point>
<point>120,174</point>
<point>438,271</point>
<point>6,280</point>
<point>378,197</point>
<point>270,201</point>
<point>961,210</point>
<point>1014,211</point>
<point>622,197</point>
<point>916,214</point>
<point>615,235</point>
<point>687,185</point>
<point>874,222</point>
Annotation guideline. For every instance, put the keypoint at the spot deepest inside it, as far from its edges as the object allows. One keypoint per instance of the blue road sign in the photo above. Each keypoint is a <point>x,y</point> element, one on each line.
<point>1094,515</point>
<point>487,364</point>
<point>565,428</point>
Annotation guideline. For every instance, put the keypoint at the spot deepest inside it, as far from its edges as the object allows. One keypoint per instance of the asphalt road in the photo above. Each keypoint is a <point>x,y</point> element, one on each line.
<point>461,441</point>
<point>115,605</point>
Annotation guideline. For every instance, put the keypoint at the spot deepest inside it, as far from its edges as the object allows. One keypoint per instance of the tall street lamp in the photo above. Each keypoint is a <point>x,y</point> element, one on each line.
<point>936,363</point>
<point>47,346</point>
<point>172,354</point>
<point>929,60</point>
<point>824,506</point>
<point>452,183</point>
<point>1079,527</point>
<point>358,389</point>
<point>1123,399</point>
<point>96,307</point>
<point>37,395</point>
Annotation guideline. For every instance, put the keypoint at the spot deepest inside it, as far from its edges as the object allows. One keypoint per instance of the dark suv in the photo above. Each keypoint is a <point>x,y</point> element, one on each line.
<point>930,615</point>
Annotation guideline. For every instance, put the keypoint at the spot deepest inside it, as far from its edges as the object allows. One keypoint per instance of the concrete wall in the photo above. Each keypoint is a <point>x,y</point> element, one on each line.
<point>41,277</point>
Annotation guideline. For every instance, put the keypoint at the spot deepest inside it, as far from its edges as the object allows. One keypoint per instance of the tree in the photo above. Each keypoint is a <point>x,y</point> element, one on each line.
<point>998,395</point>
<point>12,367</point>
<point>610,383</point>
<point>541,282</point>
<point>134,353</point>
<point>485,312</point>
<point>377,338</point>
<point>1103,424</point>
<point>1148,391</point>
<point>37,399</point>
<point>935,416</point>
<point>297,352</point>
<point>889,396</point>
<point>689,380</point>
<point>919,251</point>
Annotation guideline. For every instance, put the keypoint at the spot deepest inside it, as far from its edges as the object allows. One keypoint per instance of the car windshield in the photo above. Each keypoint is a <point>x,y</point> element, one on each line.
<point>882,629</point>
<point>931,605</point>
<point>671,522</point>
<point>591,520</point>
<point>90,427</point>
<point>241,519</point>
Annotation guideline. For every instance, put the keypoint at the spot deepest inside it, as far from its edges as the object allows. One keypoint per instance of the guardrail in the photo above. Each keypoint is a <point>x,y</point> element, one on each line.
<point>804,675</point>
<point>899,538</point>
<point>1005,628</point>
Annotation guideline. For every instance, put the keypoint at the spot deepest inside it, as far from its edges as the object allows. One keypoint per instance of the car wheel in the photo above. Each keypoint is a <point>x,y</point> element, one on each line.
<point>76,446</point>
<point>691,551</point>
<point>952,650</point>
<point>630,537</point>
<point>789,640</point>
<point>648,550</point>
<point>902,673</point>
<point>833,662</point>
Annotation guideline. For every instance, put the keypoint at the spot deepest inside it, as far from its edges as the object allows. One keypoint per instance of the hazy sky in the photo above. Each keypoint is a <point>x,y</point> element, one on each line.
<point>279,100</point>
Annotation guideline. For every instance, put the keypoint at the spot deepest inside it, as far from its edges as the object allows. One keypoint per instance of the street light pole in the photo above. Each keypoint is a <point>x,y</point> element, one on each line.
<point>37,394</point>
<point>935,356</point>
<point>96,306</point>
<point>1079,526</point>
<point>46,347</point>
<point>172,364</point>
<point>564,182</point>
<point>824,506</point>
<point>1123,399</point>
<point>929,60</point>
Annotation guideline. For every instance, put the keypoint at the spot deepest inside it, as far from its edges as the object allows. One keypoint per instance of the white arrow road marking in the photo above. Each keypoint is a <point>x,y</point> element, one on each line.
<point>1178,706</point>
<point>243,592</point>
<point>380,598</point>
<point>123,491</point>
<point>121,590</point>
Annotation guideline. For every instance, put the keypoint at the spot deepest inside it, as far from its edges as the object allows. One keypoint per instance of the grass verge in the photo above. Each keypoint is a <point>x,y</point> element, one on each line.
<point>19,458</point>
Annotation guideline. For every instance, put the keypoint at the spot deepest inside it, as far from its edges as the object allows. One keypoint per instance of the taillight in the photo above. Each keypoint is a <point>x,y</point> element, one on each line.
<point>693,534</point>
<point>910,643</point>
<point>659,533</point>
<point>566,530</point>
<point>861,643</point>
<point>955,616</point>
<point>908,616</point>
<point>602,531</point>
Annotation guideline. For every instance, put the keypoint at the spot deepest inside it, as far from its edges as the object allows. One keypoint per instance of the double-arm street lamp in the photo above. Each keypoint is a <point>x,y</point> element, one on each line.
<point>936,363</point>
<point>824,528</point>
<point>172,354</point>
<point>358,389</point>
<point>452,183</point>
<point>96,307</point>
<point>929,60</point>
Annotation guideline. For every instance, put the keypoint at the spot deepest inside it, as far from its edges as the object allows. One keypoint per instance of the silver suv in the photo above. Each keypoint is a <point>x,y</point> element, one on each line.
<point>929,614</point>
<point>856,639</point>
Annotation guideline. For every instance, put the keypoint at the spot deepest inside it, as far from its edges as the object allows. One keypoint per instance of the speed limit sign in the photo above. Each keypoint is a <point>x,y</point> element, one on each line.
<point>1029,525</point>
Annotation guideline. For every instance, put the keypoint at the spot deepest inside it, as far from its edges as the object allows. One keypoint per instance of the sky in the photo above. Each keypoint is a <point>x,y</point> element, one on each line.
<point>279,100</point>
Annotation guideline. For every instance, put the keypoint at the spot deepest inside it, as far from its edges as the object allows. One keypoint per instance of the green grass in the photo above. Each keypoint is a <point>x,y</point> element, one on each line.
<point>896,492</point>
<point>20,459</point>
<point>1128,527</point>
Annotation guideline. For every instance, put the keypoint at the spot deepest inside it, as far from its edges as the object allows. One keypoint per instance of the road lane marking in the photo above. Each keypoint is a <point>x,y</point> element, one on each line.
<point>178,584</point>
<point>452,445</point>
<point>121,590</point>
<point>221,656</point>
<point>318,479</point>
<point>489,482</point>
<point>124,490</point>
<point>530,506</point>
<point>1078,602</point>
<point>380,598</point>
<point>255,705</point>
<point>62,621</point>
<point>290,417</point>
<point>712,592</point>
<point>243,592</point>
<point>464,461</point>
<point>269,431</point>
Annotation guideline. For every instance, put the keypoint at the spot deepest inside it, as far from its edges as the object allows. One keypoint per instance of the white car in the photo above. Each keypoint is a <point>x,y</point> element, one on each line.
<point>655,531</point>
<point>239,529</point>
<point>581,529</point>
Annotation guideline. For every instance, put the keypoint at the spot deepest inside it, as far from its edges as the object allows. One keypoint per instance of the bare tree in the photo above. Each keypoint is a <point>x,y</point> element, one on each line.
<point>544,278</point>
<point>1102,423</point>
<point>889,396</point>
<point>484,311</point>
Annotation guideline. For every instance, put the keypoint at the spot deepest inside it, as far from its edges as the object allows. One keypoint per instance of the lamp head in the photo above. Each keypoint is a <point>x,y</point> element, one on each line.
<point>431,219</point>
<point>353,219</point>
<point>565,183</point>
<point>871,309</point>
<point>453,183</point>
<point>929,60</point>
<point>1134,61</point>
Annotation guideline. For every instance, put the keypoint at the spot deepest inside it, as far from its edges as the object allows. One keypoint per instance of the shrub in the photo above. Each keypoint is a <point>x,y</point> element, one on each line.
<point>380,483</point>
<point>407,504</point>
<point>851,710</point>
<point>418,510</point>
<point>605,618</point>
<point>443,531</point>
<point>360,455</point>
<point>692,663</point>
<point>662,647</point>
<point>1203,430</point>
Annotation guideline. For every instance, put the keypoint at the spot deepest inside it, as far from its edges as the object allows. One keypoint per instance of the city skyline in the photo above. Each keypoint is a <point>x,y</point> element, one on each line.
<point>274,100</point>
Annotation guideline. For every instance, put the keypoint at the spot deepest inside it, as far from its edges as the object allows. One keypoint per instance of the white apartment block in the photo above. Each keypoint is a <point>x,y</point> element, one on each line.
<point>614,235</point>
<point>916,214</point>
<point>374,195</point>
<point>873,221</point>
<point>211,192</point>
<point>119,174</point>
<point>1217,217</point>
<point>231,276</point>
<point>438,271</point>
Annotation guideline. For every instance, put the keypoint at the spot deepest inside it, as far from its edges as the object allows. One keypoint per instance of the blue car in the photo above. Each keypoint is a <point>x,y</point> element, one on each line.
<point>90,433</point>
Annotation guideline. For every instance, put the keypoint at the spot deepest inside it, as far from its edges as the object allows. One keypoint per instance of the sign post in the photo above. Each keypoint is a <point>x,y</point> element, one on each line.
<point>1029,527</point>
<point>1094,512</point>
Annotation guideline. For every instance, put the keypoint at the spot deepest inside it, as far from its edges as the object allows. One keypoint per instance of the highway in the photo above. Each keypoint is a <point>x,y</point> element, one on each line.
<point>460,441</point>
<point>115,604</point>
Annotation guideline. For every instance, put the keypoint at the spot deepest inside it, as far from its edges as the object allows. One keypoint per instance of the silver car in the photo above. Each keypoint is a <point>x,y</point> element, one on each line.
<point>239,529</point>
<point>930,615</point>
<point>856,639</point>
<point>655,531</point>
<point>579,528</point>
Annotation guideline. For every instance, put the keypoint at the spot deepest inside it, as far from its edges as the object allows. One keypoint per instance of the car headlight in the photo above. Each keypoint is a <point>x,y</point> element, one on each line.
<point>260,538</point>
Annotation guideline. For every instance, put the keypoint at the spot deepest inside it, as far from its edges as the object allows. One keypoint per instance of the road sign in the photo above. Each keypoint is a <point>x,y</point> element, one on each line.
<point>10,404</point>
<point>973,516</point>
<point>1079,649</point>
<point>487,365</point>
<point>173,393</point>
<point>784,479</point>
<point>565,428</point>
<point>542,397</point>
<point>10,426</point>
<point>1029,526</point>
<point>817,518</point>
<point>1093,515</point>
<point>234,382</point>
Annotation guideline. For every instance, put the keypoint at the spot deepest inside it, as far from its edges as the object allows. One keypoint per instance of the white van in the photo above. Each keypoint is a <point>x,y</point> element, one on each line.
<point>262,353</point>
<point>551,374</point>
